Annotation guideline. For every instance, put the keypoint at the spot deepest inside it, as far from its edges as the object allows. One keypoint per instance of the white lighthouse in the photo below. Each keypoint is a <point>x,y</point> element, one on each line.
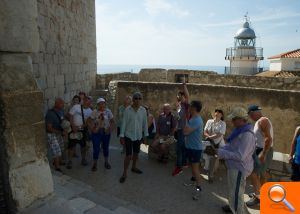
<point>244,57</point>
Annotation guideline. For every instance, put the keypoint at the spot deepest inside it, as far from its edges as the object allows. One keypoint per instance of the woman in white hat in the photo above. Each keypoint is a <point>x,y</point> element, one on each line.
<point>101,123</point>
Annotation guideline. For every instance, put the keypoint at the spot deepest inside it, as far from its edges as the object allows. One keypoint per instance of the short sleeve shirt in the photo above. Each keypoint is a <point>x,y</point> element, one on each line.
<point>77,115</point>
<point>194,139</point>
<point>216,127</point>
<point>105,116</point>
<point>54,118</point>
<point>165,124</point>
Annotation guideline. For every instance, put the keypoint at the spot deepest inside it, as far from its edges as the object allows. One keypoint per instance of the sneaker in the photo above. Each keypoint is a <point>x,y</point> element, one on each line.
<point>251,195</point>
<point>69,165</point>
<point>254,201</point>
<point>84,162</point>
<point>107,165</point>
<point>186,166</point>
<point>136,170</point>
<point>226,209</point>
<point>196,195</point>
<point>177,171</point>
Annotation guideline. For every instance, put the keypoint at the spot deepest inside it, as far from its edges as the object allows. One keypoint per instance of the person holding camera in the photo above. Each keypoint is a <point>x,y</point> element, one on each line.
<point>101,123</point>
<point>214,132</point>
<point>78,115</point>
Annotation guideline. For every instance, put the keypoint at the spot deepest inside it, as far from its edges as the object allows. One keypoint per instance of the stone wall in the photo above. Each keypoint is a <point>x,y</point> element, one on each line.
<point>281,106</point>
<point>205,77</point>
<point>281,83</point>
<point>24,169</point>
<point>102,80</point>
<point>66,59</point>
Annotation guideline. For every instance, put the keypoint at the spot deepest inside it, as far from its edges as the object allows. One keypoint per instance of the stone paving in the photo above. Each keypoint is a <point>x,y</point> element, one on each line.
<point>80,190</point>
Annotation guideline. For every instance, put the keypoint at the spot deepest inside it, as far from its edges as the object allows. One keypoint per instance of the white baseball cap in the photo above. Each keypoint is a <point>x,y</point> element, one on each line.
<point>100,99</point>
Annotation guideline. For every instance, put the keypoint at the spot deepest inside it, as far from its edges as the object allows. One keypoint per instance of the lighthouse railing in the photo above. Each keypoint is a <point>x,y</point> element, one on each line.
<point>244,52</point>
<point>242,70</point>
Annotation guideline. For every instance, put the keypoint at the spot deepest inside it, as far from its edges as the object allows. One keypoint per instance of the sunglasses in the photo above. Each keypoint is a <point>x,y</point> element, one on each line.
<point>137,98</point>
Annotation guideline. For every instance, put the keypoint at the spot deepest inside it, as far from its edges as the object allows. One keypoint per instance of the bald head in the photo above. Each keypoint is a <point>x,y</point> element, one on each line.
<point>167,108</point>
<point>59,103</point>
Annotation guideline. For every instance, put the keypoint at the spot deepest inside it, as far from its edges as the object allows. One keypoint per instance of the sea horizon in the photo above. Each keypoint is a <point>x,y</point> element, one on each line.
<point>108,68</point>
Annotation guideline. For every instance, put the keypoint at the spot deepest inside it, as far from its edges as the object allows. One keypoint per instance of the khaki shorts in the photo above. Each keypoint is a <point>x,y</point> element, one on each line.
<point>261,168</point>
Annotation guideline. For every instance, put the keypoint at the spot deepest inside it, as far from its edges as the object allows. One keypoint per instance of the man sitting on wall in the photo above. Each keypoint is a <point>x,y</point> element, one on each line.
<point>166,126</point>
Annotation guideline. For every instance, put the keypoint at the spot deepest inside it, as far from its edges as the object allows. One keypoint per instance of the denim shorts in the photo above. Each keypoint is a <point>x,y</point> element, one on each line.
<point>193,155</point>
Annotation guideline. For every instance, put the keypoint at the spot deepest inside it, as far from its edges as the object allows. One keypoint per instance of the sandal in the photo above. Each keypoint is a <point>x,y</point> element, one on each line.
<point>136,170</point>
<point>122,179</point>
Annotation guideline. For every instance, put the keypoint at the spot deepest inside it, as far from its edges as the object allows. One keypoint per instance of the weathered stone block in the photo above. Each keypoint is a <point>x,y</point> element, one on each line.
<point>18,24</point>
<point>30,182</point>
<point>23,108</point>
<point>16,73</point>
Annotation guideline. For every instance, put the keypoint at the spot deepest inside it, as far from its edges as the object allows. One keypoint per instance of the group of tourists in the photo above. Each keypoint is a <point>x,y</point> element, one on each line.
<point>247,151</point>
<point>82,123</point>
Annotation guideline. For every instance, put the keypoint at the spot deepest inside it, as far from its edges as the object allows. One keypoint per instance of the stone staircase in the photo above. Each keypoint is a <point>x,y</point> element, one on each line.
<point>75,197</point>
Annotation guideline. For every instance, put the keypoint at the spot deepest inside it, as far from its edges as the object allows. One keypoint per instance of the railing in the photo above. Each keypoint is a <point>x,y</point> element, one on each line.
<point>242,70</point>
<point>244,52</point>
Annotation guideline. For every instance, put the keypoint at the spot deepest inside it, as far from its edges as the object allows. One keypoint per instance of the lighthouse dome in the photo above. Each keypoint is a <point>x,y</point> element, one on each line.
<point>245,32</point>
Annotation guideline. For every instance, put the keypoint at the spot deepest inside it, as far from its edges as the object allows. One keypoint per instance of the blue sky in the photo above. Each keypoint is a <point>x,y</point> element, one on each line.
<point>190,32</point>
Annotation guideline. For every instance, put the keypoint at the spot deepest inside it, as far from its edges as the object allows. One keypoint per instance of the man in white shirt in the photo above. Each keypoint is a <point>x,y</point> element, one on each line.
<point>134,129</point>
<point>78,116</point>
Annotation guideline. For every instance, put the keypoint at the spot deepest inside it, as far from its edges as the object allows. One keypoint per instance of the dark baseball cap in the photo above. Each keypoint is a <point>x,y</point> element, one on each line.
<point>253,108</point>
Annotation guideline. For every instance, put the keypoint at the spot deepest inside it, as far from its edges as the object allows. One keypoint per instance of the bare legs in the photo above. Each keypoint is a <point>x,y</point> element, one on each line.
<point>196,173</point>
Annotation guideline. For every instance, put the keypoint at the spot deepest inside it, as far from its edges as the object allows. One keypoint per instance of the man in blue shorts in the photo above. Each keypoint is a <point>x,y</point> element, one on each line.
<point>193,132</point>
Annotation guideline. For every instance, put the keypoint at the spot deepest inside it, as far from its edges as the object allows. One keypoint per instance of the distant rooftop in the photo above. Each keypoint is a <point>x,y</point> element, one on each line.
<point>290,54</point>
<point>279,74</point>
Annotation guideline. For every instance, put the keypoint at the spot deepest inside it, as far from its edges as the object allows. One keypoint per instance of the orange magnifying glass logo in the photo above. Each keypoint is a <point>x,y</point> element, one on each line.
<point>277,194</point>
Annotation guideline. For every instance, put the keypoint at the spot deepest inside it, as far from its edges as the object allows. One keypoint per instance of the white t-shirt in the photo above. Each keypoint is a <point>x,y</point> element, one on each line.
<point>107,116</point>
<point>77,116</point>
<point>214,127</point>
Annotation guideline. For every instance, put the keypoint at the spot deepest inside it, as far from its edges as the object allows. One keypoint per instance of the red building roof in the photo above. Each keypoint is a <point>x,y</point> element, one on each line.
<point>290,54</point>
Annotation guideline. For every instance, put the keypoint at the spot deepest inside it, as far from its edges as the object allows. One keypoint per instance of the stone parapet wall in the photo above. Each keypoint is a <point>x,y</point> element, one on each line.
<point>202,77</point>
<point>66,59</point>
<point>102,80</point>
<point>281,83</point>
<point>281,106</point>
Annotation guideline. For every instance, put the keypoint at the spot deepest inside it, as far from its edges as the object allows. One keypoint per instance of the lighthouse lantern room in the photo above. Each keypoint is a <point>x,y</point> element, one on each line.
<point>244,57</point>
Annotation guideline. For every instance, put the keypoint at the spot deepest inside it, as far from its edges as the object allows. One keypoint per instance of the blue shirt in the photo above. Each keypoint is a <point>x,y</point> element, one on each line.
<point>297,150</point>
<point>54,118</point>
<point>194,139</point>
